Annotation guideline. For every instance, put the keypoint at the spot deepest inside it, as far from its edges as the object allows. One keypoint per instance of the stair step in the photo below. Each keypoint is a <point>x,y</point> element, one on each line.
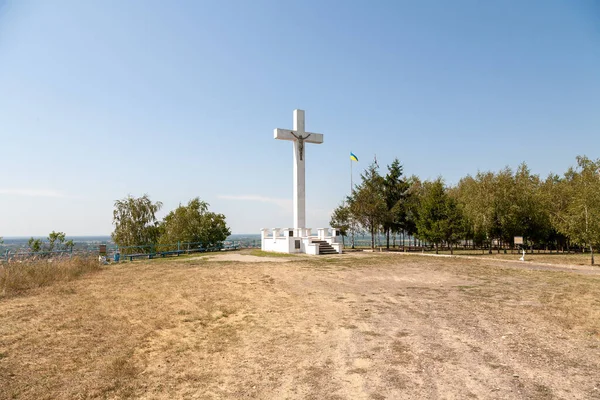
<point>324,247</point>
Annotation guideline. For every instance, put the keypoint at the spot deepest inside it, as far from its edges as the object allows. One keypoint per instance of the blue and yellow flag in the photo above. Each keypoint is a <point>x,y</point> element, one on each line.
<point>353,157</point>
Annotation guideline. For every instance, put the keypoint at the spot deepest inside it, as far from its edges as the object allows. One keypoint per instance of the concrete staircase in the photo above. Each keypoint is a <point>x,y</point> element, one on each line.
<point>324,247</point>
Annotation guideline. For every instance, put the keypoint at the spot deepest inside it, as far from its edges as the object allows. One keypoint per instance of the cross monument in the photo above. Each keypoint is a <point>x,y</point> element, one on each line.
<point>299,136</point>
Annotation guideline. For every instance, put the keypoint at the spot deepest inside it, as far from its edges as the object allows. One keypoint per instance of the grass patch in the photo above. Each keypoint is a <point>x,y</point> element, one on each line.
<point>261,253</point>
<point>17,277</point>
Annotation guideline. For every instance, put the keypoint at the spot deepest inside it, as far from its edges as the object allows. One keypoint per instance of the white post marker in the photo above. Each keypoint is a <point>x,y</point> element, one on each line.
<point>299,136</point>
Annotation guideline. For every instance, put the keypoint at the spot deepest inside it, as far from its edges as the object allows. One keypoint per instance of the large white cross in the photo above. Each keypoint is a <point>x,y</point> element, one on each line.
<point>299,136</point>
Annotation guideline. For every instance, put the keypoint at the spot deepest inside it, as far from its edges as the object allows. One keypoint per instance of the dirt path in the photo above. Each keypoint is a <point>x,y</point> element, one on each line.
<point>532,265</point>
<point>360,327</point>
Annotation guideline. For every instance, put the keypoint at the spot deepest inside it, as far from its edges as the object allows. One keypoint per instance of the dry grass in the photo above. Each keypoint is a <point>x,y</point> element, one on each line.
<point>353,326</point>
<point>19,276</point>
<point>569,299</point>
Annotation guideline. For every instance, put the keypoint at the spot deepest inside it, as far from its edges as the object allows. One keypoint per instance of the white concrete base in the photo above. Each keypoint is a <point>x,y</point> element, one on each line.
<point>298,241</point>
<point>338,247</point>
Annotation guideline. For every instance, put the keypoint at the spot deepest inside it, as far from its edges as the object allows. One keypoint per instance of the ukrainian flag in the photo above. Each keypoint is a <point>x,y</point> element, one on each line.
<point>353,157</point>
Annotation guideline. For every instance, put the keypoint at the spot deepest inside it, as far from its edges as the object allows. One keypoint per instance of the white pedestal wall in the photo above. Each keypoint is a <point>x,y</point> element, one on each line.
<point>284,240</point>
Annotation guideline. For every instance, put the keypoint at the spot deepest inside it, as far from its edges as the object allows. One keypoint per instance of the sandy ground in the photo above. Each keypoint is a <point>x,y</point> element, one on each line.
<point>351,327</point>
<point>241,258</point>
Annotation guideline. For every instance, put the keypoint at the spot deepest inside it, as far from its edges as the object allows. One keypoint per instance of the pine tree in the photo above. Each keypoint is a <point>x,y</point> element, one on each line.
<point>395,190</point>
<point>367,203</point>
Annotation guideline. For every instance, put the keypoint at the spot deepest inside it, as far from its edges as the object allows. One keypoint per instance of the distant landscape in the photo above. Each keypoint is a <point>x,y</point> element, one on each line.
<point>14,243</point>
<point>91,242</point>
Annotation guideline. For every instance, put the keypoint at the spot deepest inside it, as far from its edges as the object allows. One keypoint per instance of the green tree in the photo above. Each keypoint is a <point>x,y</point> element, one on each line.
<point>69,244</point>
<point>55,239</point>
<point>413,201</point>
<point>367,203</point>
<point>341,219</point>
<point>480,205</point>
<point>135,221</point>
<point>579,217</point>
<point>395,190</point>
<point>532,213</point>
<point>431,213</point>
<point>194,223</point>
<point>35,245</point>
<point>440,216</point>
<point>556,199</point>
<point>215,229</point>
<point>453,226</point>
<point>505,207</point>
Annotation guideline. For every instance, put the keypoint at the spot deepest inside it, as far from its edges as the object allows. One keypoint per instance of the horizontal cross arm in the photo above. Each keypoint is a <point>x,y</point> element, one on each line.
<point>286,134</point>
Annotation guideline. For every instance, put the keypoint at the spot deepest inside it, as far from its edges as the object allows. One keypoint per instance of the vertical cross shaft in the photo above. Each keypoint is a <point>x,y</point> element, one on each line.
<point>299,176</point>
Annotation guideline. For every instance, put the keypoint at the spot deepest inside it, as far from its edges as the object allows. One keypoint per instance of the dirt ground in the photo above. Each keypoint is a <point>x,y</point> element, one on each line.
<point>358,326</point>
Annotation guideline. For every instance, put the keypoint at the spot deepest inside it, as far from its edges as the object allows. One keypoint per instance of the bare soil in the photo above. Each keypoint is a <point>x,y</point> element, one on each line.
<point>357,326</point>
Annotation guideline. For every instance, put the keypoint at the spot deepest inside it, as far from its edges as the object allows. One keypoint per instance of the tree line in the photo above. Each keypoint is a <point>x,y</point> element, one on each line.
<point>56,241</point>
<point>561,212</point>
<point>136,224</point>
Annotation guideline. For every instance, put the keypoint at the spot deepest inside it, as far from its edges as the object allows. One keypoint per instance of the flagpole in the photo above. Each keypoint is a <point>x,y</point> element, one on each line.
<point>351,184</point>
<point>351,191</point>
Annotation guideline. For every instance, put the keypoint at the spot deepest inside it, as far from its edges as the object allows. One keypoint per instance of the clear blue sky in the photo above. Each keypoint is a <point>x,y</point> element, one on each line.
<point>100,99</point>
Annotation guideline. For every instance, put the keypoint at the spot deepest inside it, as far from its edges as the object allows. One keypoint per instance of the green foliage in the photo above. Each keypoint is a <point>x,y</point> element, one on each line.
<point>367,203</point>
<point>135,221</point>
<point>432,211</point>
<point>505,204</point>
<point>341,219</point>
<point>69,244</point>
<point>56,242</point>
<point>532,214</point>
<point>194,223</point>
<point>576,211</point>
<point>55,238</point>
<point>35,245</point>
<point>440,217</point>
<point>556,199</point>
<point>453,224</point>
<point>412,201</point>
<point>487,207</point>
<point>477,196</point>
<point>136,224</point>
<point>395,194</point>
